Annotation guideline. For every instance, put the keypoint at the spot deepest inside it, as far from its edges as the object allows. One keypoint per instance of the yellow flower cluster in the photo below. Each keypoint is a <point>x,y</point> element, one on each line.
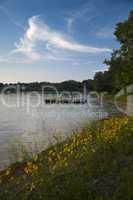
<point>30,168</point>
<point>59,158</point>
<point>111,128</point>
<point>4,174</point>
<point>105,130</point>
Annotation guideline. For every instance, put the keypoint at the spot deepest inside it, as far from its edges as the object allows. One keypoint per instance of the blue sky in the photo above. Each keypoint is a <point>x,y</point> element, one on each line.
<point>57,40</point>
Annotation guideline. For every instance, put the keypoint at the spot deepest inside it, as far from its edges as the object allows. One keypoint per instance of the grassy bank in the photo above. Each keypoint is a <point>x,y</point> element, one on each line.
<point>119,101</point>
<point>95,164</point>
<point>111,98</point>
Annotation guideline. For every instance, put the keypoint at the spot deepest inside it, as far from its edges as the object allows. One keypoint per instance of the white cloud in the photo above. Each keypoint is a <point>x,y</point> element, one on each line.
<point>41,43</point>
<point>39,32</point>
<point>76,63</point>
<point>100,70</point>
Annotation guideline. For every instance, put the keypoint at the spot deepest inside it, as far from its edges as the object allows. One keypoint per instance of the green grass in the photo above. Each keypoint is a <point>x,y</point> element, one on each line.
<point>110,98</point>
<point>95,164</point>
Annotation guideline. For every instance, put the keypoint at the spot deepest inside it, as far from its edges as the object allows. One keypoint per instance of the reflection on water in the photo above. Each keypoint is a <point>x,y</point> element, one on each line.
<point>39,124</point>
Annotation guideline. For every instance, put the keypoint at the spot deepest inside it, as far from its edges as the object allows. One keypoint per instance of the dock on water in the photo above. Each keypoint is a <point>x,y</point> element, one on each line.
<point>73,99</point>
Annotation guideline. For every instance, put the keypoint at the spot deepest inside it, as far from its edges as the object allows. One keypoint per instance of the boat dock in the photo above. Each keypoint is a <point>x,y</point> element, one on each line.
<point>72,99</point>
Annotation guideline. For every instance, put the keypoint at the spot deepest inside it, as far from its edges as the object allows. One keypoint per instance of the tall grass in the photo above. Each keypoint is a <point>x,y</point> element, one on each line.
<point>93,164</point>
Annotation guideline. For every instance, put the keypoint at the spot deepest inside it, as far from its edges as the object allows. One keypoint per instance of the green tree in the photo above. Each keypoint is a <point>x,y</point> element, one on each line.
<point>121,62</point>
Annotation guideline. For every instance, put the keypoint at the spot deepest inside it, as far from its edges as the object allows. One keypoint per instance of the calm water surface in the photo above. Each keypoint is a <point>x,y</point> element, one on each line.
<point>36,128</point>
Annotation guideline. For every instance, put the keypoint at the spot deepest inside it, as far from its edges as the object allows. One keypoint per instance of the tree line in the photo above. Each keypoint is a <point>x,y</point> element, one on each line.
<point>120,71</point>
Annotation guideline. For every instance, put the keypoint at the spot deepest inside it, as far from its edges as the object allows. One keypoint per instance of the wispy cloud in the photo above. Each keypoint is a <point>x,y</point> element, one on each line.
<point>8,14</point>
<point>41,43</point>
<point>70,21</point>
<point>84,63</point>
<point>106,33</point>
<point>86,13</point>
<point>39,32</point>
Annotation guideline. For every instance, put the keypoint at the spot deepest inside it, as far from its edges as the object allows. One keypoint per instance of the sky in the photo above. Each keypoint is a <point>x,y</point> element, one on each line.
<point>57,40</point>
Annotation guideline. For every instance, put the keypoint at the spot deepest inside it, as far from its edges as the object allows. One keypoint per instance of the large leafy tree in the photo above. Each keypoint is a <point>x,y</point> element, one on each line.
<point>121,62</point>
<point>103,81</point>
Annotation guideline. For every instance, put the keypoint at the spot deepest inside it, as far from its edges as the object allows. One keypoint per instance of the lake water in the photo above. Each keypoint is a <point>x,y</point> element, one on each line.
<point>37,127</point>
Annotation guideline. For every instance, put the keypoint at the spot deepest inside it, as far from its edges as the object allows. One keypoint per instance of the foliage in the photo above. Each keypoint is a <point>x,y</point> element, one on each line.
<point>121,62</point>
<point>70,85</point>
<point>95,164</point>
<point>120,72</point>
